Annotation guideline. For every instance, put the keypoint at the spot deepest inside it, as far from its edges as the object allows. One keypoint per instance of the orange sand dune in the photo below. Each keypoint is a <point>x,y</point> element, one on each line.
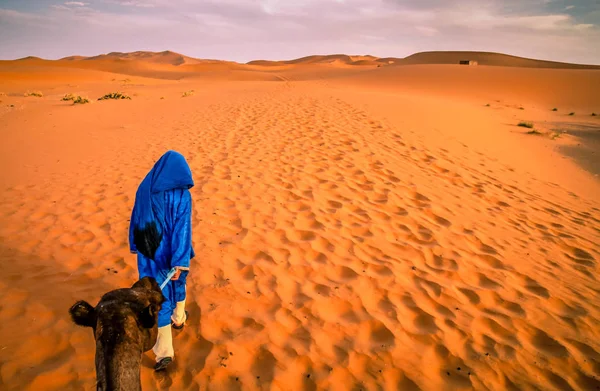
<point>166,57</point>
<point>73,58</point>
<point>485,58</point>
<point>317,59</point>
<point>542,88</point>
<point>439,57</point>
<point>355,227</point>
<point>339,59</point>
<point>174,66</point>
<point>208,69</point>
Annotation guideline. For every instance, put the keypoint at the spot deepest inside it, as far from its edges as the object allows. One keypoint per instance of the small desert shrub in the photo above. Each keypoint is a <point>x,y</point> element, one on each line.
<point>488,105</point>
<point>188,93</point>
<point>68,97</point>
<point>521,108</point>
<point>555,109</point>
<point>527,125</point>
<point>533,132</point>
<point>571,113</point>
<point>114,95</point>
<point>594,114</point>
<point>555,135</point>
<point>81,101</point>
<point>37,94</point>
<point>162,97</point>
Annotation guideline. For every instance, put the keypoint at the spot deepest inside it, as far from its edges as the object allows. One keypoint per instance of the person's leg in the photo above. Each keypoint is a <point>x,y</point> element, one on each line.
<point>179,315</point>
<point>163,349</point>
<point>164,344</point>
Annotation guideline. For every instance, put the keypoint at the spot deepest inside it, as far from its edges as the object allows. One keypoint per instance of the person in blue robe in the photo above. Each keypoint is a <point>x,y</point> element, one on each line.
<point>160,233</point>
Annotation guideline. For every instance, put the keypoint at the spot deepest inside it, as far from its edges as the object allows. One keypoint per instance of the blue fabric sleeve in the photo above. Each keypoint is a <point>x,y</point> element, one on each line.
<point>181,238</point>
<point>179,287</point>
<point>132,247</point>
<point>145,267</point>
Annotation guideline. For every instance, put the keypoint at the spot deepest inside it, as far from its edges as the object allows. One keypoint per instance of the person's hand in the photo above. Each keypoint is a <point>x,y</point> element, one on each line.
<point>176,275</point>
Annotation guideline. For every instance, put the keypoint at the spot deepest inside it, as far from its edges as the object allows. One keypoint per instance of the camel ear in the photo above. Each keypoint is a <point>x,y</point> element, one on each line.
<point>83,314</point>
<point>146,283</point>
<point>157,298</point>
<point>141,284</point>
<point>148,316</point>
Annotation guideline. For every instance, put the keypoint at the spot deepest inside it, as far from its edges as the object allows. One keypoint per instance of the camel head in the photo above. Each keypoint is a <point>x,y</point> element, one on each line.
<point>125,325</point>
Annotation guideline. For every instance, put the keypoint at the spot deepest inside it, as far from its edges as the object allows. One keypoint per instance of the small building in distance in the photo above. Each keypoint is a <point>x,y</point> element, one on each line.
<point>467,62</point>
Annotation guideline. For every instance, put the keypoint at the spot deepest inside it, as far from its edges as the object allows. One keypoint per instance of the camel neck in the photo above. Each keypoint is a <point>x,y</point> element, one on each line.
<point>118,368</point>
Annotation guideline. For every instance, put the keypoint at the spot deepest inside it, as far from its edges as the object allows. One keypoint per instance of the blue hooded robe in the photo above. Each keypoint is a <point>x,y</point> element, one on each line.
<point>160,231</point>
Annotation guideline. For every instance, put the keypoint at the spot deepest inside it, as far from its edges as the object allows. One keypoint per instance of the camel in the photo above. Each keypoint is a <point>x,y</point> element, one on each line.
<point>125,326</point>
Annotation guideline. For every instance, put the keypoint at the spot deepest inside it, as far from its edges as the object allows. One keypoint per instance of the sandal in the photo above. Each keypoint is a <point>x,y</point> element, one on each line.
<point>163,364</point>
<point>180,326</point>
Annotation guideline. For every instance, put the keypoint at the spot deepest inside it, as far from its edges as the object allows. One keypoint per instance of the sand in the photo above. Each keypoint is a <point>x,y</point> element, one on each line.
<point>355,227</point>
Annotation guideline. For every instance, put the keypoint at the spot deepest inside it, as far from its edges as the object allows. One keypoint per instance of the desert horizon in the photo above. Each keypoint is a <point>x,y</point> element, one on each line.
<point>424,57</point>
<point>359,222</point>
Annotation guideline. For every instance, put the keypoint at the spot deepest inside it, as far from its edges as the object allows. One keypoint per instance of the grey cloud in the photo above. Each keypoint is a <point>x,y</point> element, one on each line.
<point>276,29</point>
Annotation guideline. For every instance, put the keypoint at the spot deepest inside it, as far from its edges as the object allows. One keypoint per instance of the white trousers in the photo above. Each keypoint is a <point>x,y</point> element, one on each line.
<point>164,343</point>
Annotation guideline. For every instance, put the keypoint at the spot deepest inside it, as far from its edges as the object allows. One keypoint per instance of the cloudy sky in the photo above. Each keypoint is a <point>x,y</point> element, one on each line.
<point>244,30</point>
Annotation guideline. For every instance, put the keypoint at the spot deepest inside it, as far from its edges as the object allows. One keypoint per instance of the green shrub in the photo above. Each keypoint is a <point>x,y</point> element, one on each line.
<point>527,125</point>
<point>114,95</point>
<point>81,101</point>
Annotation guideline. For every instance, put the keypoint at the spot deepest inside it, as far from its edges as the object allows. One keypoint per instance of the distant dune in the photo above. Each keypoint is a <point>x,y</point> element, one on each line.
<point>28,58</point>
<point>321,59</point>
<point>169,59</point>
<point>451,57</point>
<point>266,63</point>
<point>166,57</point>
<point>73,58</point>
<point>168,65</point>
<point>165,65</point>
<point>486,58</point>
